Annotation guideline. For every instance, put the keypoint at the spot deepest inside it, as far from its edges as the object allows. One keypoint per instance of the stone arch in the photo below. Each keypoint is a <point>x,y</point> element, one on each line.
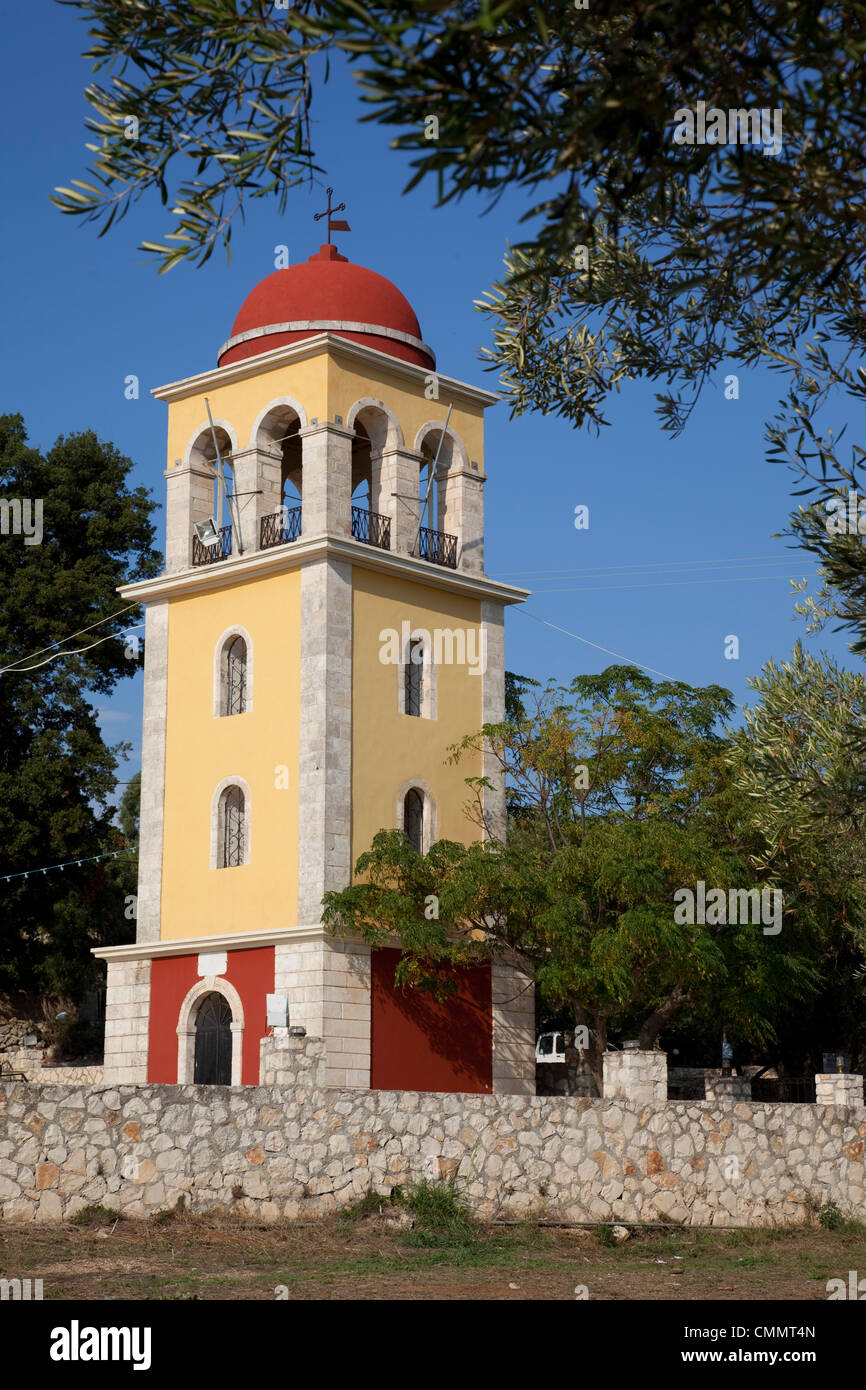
<point>276,437</point>
<point>186,1020</point>
<point>278,404</point>
<point>199,451</point>
<point>453,450</point>
<point>379,421</point>
<point>219,673</point>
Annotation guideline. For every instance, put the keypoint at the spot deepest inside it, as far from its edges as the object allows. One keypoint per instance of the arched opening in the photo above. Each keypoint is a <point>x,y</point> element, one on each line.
<point>438,501</point>
<point>204,455</point>
<point>413,818</point>
<point>370,521</point>
<point>278,440</point>
<point>429,500</point>
<point>213,1042</point>
<point>212,543</point>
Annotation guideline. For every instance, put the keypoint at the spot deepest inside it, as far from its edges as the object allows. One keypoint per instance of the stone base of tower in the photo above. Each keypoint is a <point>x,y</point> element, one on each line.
<point>162,996</point>
<point>327,984</point>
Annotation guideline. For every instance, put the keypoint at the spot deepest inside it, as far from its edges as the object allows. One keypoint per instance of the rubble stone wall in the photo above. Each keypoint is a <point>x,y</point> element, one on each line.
<point>299,1149</point>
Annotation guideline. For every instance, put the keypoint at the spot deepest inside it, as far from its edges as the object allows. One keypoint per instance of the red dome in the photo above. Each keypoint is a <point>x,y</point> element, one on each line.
<point>326,294</point>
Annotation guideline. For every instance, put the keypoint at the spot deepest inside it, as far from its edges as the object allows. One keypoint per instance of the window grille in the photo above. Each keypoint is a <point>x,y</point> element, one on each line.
<point>414,678</point>
<point>236,677</point>
<point>234,838</point>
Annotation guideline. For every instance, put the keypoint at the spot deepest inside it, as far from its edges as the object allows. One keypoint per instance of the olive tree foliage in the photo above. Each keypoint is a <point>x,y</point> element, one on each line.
<point>568,103</point>
<point>642,257</point>
<point>798,759</point>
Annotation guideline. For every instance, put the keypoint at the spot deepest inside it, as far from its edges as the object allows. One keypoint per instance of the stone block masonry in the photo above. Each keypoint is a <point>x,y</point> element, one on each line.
<point>277,1152</point>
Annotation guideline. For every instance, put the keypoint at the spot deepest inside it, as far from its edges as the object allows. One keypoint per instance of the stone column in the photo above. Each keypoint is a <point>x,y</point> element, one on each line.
<point>463,515</point>
<point>394,493</point>
<point>151,816</point>
<point>326,453</point>
<point>127,1021</point>
<point>728,1090</point>
<point>838,1088</point>
<point>637,1076</point>
<point>325,771</point>
<point>189,498</point>
<point>258,483</point>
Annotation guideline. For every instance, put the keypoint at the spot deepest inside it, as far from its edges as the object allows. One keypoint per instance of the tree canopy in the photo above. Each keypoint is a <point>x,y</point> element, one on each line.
<point>620,795</point>
<point>57,774</point>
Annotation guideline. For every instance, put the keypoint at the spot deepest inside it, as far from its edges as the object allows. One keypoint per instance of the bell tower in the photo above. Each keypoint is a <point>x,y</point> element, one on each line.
<point>323,633</point>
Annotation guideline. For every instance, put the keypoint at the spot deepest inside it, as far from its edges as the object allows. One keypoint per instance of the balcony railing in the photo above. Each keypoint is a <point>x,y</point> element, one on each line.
<point>371,528</point>
<point>437,547</point>
<point>209,554</point>
<point>280,527</point>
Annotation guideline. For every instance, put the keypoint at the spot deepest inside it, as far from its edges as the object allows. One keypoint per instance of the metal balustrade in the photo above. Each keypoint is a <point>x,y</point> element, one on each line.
<point>280,527</point>
<point>210,554</point>
<point>371,528</point>
<point>437,547</point>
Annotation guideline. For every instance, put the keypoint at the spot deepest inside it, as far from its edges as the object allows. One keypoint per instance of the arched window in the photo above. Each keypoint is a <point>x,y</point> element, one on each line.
<point>233,836</point>
<point>233,673</point>
<point>413,818</point>
<point>414,678</point>
<point>236,676</point>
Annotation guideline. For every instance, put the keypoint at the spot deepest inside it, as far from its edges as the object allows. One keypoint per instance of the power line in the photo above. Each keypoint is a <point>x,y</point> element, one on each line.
<point>665,584</point>
<point>49,868</point>
<point>76,651</point>
<point>662,565</point>
<point>598,648</point>
<point>51,645</point>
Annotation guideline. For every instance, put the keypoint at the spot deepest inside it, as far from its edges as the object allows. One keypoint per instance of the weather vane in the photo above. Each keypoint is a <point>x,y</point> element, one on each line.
<point>329,211</point>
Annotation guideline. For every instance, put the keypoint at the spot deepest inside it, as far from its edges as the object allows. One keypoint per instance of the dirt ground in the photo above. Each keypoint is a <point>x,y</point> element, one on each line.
<point>378,1258</point>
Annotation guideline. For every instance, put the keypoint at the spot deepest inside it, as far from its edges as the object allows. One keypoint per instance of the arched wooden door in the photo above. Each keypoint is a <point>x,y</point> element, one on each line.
<point>213,1042</point>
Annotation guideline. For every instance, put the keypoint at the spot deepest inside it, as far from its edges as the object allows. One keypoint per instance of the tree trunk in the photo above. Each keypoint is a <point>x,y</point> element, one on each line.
<point>597,1030</point>
<point>661,1017</point>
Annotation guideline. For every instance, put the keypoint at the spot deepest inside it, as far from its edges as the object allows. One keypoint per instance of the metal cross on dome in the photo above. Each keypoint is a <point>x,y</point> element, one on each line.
<point>329,211</point>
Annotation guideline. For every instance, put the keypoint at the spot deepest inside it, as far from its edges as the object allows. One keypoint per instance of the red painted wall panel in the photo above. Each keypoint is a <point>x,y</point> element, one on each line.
<point>172,977</point>
<point>420,1044</point>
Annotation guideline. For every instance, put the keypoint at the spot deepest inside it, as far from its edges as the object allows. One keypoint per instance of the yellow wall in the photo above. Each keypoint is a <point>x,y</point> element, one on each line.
<point>389,748</point>
<point>326,385</point>
<point>201,750</point>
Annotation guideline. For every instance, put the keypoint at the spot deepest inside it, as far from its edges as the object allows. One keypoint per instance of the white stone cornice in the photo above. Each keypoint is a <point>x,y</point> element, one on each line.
<point>377,330</point>
<point>312,347</point>
<point>229,941</point>
<point>323,546</point>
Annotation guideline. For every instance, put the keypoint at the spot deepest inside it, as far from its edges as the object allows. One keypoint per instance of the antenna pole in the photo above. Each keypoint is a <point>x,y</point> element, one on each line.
<point>431,480</point>
<point>222,482</point>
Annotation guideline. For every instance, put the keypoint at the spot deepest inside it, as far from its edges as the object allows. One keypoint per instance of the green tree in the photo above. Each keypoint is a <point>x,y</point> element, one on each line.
<point>57,774</point>
<point>619,795</point>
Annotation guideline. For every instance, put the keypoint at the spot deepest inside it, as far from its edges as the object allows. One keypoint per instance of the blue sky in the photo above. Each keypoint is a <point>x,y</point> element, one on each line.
<point>651,579</point>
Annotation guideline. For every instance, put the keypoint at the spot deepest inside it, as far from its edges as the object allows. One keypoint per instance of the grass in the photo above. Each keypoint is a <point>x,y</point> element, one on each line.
<point>420,1243</point>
